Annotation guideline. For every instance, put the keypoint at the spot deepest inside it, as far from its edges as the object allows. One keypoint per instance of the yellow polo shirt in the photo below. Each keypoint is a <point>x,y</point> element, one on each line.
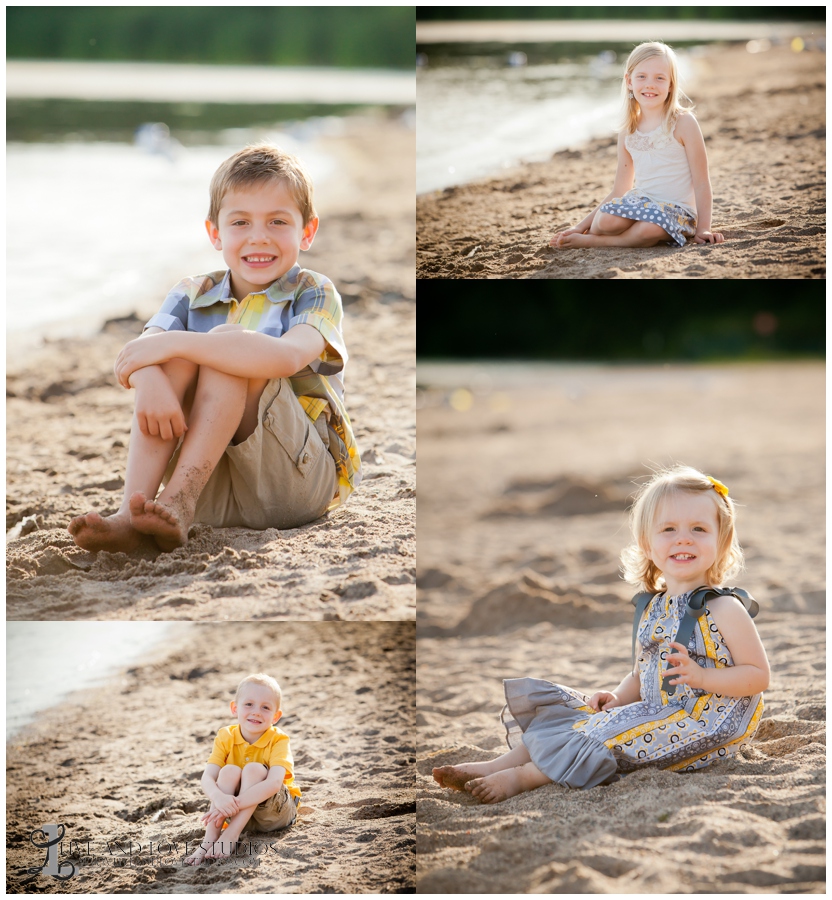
<point>271,749</point>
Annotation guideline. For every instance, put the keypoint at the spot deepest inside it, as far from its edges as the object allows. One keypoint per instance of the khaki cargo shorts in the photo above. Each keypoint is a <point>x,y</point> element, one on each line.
<point>277,811</point>
<point>281,476</point>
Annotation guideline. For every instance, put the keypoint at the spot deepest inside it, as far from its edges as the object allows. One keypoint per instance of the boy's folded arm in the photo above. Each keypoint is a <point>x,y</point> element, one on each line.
<point>248,354</point>
<point>264,789</point>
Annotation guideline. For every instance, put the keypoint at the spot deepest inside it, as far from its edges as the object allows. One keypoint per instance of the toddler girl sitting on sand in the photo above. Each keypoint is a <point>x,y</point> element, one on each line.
<point>660,147</point>
<point>702,707</point>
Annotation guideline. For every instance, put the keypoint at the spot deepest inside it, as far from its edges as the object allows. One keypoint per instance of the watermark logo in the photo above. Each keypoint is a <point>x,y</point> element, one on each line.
<point>61,870</point>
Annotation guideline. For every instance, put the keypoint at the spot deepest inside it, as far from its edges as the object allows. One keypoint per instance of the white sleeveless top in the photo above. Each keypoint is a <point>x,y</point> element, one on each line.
<point>661,168</point>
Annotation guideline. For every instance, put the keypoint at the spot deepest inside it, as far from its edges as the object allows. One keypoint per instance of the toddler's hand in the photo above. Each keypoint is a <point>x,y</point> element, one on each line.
<point>227,805</point>
<point>708,237</point>
<point>681,668</point>
<point>601,701</point>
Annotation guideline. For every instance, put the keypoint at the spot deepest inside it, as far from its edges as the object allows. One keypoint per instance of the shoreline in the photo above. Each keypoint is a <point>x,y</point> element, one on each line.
<point>767,161</point>
<point>135,777</point>
<point>357,563</point>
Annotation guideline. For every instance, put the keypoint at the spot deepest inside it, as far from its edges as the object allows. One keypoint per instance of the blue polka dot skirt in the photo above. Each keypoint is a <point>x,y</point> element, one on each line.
<point>677,222</point>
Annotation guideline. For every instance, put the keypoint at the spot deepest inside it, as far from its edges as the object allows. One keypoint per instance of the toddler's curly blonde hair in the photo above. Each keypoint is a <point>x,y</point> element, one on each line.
<point>637,568</point>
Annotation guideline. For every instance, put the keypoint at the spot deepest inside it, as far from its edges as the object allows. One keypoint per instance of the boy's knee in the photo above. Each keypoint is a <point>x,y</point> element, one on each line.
<point>256,770</point>
<point>230,771</point>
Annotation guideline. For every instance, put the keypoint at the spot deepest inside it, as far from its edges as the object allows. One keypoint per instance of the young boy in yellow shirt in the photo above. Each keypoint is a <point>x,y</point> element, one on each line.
<point>239,377</point>
<point>249,775</point>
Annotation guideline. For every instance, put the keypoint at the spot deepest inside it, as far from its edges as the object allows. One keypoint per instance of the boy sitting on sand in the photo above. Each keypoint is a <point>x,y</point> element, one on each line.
<point>249,774</point>
<point>238,378</point>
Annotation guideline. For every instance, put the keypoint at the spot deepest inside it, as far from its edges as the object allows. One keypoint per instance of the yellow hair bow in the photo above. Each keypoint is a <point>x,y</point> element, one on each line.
<point>719,487</point>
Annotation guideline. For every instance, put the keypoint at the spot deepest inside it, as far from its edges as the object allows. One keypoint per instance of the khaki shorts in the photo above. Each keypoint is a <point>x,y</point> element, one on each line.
<point>278,811</point>
<point>281,476</point>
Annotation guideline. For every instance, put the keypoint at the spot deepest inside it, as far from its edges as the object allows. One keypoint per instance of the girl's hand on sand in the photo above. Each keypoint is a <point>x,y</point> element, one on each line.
<point>681,668</point>
<point>158,412</point>
<point>708,237</point>
<point>136,354</point>
<point>601,701</point>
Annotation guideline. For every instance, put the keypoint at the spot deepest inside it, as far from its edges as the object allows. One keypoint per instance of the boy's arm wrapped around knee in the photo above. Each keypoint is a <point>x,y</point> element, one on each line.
<point>257,793</point>
<point>222,802</point>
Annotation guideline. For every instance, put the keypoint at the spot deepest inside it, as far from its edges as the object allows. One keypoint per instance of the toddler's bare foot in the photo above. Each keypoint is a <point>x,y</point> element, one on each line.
<point>197,856</point>
<point>220,849</point>
<point>496,787</point>
<point>114,533</point>
<point>167,523</point>
<point>456,777</point>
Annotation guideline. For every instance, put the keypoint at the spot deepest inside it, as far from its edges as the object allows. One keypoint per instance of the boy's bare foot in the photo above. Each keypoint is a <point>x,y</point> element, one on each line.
<point>113,533</point>
<point>167,523</point>
<point>220,850</point>
<point>456,777</point>
<point>496,787</point>
<point>197,856</point>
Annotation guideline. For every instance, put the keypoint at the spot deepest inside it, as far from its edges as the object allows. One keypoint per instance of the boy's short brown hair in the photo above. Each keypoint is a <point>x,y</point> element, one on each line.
<point>264,680</point>
<point>258,163</point>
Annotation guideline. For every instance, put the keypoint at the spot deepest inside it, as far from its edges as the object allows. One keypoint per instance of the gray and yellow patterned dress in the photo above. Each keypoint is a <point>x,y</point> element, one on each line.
<point>577,747</point>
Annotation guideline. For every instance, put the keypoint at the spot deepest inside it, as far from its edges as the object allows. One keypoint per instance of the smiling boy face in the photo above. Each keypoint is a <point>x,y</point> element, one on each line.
<point>260,231</point>
<point>256,711</point>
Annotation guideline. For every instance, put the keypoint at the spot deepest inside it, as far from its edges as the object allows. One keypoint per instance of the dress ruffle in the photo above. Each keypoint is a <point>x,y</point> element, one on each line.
<point>544,722</point>
<point>676,221</point>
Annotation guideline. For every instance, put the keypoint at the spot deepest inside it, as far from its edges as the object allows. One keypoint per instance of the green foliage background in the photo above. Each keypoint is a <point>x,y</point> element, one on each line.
<point>722,13</point>
<point>348,36</point>
<point>614,321</point>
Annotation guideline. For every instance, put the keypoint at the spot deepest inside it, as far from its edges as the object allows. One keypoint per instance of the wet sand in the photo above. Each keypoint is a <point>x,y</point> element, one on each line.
<point>763,118</point>
<point>68,427</point>
<point>123,763</point>
<point>519,576</point>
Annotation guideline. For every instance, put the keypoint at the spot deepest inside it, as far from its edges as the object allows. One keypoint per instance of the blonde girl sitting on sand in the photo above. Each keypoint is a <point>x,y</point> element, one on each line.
<point>661,149</point>
<point>679,710</point>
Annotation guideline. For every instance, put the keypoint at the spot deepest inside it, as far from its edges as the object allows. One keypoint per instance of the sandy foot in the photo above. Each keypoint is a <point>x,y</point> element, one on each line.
<point>114,533</point>
<point>456,777</point>
<point>197,856</point>
<point>167,524</point>
<point>497,787</point>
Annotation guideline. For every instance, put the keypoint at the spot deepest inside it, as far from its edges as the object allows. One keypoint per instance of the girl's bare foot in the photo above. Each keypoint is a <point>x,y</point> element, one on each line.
<point>497,787</point>
<point>167,523</point>
<point>113,533</point>
<point>456,777</point>
<point>571,240</point>
<point>197,856</point>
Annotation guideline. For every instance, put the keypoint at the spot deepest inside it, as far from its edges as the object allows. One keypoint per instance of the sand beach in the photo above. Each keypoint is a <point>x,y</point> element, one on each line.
<point>763,118</point>
<point>126,786</point>
<point>518,575</point>
<point>68,428</point>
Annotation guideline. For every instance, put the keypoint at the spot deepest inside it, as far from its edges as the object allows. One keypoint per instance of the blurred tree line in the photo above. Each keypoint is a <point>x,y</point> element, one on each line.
<point>724,13</point>
<point>552,320</point>
<point>341,36</point>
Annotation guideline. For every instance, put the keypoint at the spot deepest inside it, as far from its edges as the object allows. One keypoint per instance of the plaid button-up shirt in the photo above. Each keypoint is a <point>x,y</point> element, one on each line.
<point>299,297</point>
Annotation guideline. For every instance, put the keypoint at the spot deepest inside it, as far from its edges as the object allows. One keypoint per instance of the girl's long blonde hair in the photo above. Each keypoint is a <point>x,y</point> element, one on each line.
<point>673,105</point>
<point>638,568</point>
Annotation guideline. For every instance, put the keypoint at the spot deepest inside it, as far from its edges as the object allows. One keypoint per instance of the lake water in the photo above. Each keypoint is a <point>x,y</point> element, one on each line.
<point>47,661</point>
